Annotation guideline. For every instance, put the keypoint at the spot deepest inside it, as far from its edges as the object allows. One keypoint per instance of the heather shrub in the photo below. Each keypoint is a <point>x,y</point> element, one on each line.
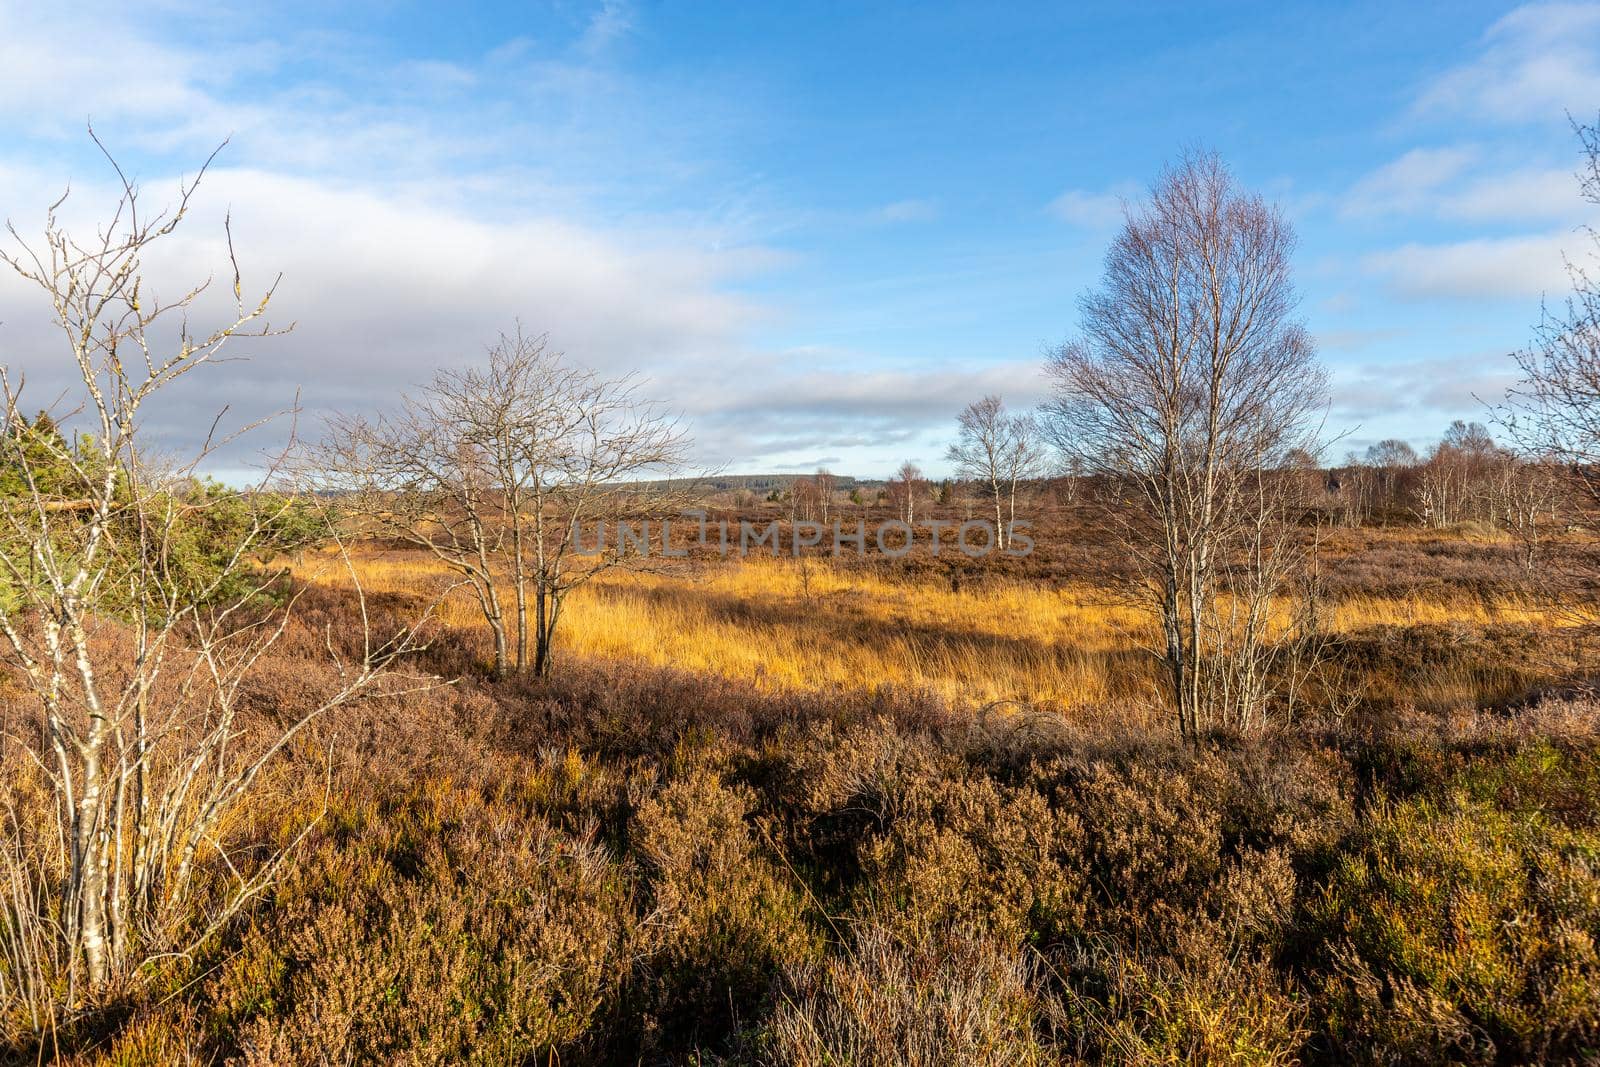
<point>169,1037</point>
<point>1190,862</point>
<point>1551,776</point>
<point>1295,794</point>
<point>890,1001</point>
<point>1461,932</point>
<point>966,851</point>
<point>839,787</point>
<point>430,931</point>
<point>860,769</point>
<point>1136,1008</point>
<point>622,710</point>
<point>1153,849</point>
<point>723,918</point>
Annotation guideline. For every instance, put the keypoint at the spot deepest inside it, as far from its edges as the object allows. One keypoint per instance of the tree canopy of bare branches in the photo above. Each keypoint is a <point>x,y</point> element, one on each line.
<point>1554,411</point>
<point>1552,415</point>
<point>1189,386</point>
<point>497,470</point>
<point>904,487</point>
<point>998,451</point>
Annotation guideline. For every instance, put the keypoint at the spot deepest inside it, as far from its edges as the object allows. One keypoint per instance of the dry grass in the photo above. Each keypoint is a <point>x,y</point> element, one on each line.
<point>815,625</point>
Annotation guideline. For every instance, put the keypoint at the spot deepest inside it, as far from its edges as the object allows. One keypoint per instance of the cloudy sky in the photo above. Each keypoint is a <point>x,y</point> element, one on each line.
<point>818,230</point>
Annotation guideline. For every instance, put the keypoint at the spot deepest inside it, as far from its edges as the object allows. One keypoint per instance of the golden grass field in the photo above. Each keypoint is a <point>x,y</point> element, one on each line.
<point>786,623</point>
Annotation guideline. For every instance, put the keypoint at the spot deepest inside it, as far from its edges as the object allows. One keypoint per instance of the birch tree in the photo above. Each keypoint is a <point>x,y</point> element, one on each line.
<point>127,754</point>
<point>1188,388</point>
<point>496,470</point>
<point>903,489</point>
<point>1552,414</point>
<point>998,451</point>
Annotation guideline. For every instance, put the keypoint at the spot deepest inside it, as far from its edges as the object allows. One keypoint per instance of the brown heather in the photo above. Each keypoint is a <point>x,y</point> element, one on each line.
<point>627,863</point>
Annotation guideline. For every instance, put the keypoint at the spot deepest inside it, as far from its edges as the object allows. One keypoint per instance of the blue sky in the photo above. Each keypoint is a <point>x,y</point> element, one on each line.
<point>819,230</point>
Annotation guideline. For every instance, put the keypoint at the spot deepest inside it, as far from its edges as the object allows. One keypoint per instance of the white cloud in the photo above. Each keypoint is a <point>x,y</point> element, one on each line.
<point>1536,64</point>
<point>54,71</point>
<point>1529,194</point>
<point>917,210</point>
<point>904,393</point>
<point>1436,389</point>
<point>1451,183</point>
<point>1092,210</point>
<point>612,22</point>
<point>407,239</point>
<point>384,289</point>
<point>1485,268</point>
<point>1407,183</point>
<point>403,242</point>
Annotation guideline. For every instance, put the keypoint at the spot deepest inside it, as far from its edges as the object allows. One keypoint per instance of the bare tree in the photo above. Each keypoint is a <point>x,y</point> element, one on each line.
<point>904,488</point>
<point>127,757</point>
<point>1188,388</point>
<point>1353,491</point>
<point>1392,453</point>
<point>1552,415</point>
<point>804,500</point>
<point>497,470</point>
<point>1068,474</point>
<point>998,451</point>
<point>1555,409</point>
<point>1390,460</point>
<point>1527,498</point>
<point>1457,483</point>
<point>826,486</point>
<point>1027,458</point>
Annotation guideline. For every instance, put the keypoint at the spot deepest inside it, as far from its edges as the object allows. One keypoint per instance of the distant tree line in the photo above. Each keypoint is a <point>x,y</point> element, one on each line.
<point>1467,477</point>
